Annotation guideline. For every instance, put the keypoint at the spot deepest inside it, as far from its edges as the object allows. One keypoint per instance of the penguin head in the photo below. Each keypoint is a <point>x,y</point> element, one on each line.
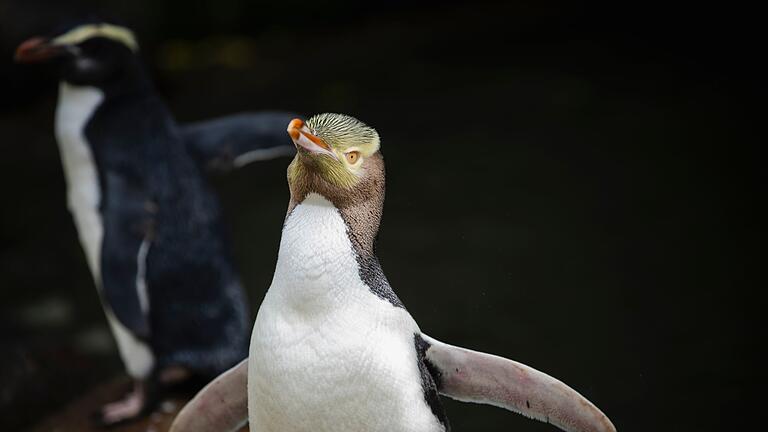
<point>337,156</point>
<point>92,53</point>
<point>335,149</point>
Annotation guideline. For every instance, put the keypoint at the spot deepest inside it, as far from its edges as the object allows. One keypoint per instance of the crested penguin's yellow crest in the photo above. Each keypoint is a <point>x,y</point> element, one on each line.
<point>343,143</point>
<point>88,31</point>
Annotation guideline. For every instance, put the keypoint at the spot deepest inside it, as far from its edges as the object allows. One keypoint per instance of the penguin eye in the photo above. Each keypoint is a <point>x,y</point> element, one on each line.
<point>352,156</point>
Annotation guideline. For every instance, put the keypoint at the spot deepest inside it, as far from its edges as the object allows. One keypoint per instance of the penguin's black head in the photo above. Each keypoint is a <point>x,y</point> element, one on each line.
<point>94,53</point>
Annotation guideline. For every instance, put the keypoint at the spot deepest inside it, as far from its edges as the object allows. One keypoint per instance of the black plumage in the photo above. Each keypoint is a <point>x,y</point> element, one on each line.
<point>152,190</point>
<point>164,266</point>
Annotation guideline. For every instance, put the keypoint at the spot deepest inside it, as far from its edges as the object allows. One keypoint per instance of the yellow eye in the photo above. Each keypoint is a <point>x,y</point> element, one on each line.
<point>352,156</point>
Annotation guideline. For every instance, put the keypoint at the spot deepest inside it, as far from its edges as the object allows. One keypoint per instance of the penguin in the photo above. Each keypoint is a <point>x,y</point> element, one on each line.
<point>220,144</point>
<point>333,348</point>
<point>150,225</point>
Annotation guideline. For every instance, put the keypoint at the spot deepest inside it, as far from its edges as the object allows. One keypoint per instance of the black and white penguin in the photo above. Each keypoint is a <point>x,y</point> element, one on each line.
<point>333,348</point>
<point>147,220</point>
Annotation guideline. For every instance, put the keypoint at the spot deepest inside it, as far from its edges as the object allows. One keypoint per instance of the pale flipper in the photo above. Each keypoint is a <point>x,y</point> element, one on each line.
<point>230,142</point>
<point>461,374</point>
<point>471,376</point>
<point>221,406</point>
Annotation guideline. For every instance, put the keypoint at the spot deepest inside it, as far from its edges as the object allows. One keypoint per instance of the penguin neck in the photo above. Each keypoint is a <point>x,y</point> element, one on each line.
<point>76,95</point>
<point>333,235</point>
<point>112,123</point>
<point>76,106</point>
<point>361,208</point>
<point>128,79</point>
<point>361,220</point>
<point>317,267</point>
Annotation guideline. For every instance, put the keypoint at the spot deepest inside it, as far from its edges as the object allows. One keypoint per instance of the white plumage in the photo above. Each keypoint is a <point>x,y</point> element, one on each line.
<point>326,353</point>
<point>76,106</point>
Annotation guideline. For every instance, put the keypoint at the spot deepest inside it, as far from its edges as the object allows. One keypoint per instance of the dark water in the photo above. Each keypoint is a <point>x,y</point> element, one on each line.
<point>572,193</point>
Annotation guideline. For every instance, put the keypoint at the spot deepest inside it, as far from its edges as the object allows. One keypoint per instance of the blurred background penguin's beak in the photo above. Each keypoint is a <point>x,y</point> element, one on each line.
<point>37,50</point>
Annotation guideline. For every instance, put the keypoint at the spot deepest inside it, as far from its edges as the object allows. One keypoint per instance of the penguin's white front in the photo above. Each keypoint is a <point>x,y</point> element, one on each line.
<point>76,106</point>
<point>326,353</point>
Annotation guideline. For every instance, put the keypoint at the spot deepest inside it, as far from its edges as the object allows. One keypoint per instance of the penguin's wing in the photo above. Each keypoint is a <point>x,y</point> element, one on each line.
<point>221,406</point>
<point>471,376</point>
<point>229,142</point>
<point>127,230</point>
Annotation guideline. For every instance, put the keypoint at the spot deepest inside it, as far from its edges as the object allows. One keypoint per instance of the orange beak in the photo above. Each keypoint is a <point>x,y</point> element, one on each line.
<point>36,50</point>
<point>304,139</point>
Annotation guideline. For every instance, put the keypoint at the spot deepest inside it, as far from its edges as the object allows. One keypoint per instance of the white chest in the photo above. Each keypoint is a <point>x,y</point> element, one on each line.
<point>76,106</point>
<point>327,354</point>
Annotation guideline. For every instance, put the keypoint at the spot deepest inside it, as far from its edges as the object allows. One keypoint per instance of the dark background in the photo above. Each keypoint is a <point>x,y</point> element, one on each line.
<point>571,187</point>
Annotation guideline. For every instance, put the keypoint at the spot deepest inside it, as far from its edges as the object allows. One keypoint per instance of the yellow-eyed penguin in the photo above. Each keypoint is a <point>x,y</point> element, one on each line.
<point>333,348</point>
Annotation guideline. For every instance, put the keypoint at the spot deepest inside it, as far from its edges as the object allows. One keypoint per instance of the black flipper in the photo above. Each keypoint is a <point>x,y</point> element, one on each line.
<point>229,142</point>
<point>127,236</point>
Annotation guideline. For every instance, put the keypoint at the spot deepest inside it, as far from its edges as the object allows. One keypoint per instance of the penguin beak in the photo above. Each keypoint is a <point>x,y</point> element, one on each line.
<point>38,49</point>
<point>303,139</point>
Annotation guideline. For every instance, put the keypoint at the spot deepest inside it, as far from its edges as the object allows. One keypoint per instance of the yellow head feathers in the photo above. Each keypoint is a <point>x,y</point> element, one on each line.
<point>343,132</point>
<point>333,146</point>
<point>88,31</point>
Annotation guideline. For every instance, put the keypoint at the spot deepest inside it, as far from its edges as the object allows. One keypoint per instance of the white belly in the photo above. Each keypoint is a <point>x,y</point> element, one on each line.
<point>76,106</point>
<point>327,354</point>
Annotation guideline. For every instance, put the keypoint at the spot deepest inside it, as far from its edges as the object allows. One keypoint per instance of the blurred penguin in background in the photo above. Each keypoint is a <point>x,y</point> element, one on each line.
<point>149,223</point>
